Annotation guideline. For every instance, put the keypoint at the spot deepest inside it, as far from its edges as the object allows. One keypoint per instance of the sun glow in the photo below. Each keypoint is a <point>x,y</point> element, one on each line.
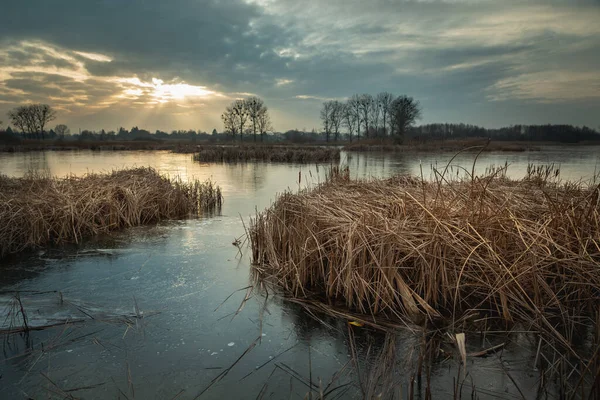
<point>157,91</point>
<point>177,91</point>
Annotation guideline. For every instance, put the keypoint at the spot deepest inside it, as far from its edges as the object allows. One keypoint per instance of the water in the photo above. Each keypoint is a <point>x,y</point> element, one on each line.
<point>179,274</point>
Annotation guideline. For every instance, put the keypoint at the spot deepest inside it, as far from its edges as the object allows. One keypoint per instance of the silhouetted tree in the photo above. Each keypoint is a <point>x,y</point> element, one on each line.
<point>22,118</point>
<point>364,105</point>
<point>349,118</point>
<point>255,107</point>
<point>32,118</point>
<point>404,112</point>
<point>229,121</point>
<point>264,123</point>
<point>326,117</point>
<point>43,114</point>
<point>374,114</point>
<point>354,108</point>
<point>337,117</point>
<point>240,113</point>
<point>62,130</point>
<point>384,100</point>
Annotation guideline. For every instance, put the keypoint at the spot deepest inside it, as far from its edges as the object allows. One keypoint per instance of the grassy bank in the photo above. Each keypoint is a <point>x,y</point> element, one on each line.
<point>452,145</point>
<point>70,145</point>
<point>473,254</point>
<point>176,146</point>
<point>38,210</point>
<point>267,153</point>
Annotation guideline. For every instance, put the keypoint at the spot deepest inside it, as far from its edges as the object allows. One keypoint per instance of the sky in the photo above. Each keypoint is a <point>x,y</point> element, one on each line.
<point>176,64</point>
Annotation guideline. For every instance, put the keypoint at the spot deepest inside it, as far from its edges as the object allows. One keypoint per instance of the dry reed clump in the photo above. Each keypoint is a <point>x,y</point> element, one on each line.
<point>291,154</point>
<point>455,251</point>
<point>38,210</point>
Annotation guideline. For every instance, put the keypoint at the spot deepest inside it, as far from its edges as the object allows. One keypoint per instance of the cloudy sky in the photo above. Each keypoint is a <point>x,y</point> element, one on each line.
<point>176,64</point>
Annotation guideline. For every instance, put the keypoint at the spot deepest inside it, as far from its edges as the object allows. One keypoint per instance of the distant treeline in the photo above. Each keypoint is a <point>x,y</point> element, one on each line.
<point>551,133</point>
<point>534,133</point>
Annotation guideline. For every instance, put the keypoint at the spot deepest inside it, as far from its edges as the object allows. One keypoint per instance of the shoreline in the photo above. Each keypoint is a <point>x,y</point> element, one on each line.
<point>472,145</point>
<point>371,145</point>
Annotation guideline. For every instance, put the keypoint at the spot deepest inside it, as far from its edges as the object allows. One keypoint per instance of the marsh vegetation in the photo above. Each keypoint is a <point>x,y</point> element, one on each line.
<point>461,253</point>
<point>291,154</point>
<point>37,210</point>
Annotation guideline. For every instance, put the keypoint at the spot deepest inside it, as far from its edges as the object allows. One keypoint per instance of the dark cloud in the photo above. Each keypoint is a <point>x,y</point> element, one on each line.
<point>464,59</point>
<point>32,87</point>
<point>18,57</point>
<point>194,40</point>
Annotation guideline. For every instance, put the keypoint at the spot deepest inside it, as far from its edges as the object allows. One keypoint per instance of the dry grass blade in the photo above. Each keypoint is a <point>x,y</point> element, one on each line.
<point>38,210</point>
<point>228,369</point>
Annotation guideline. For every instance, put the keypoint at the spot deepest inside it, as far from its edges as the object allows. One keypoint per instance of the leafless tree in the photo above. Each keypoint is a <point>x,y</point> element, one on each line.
<point>240,112</point>
<point>43,114</point>
<point>264,122</point>
<point>404,112</point>
<point>365,101</point>
<point>254,106</point>
<point>32,118</point>
<point>22,118</point>
<point>326,117</point>
<point>337,117</point>
<point>349,118</point>
<point>61,130</point>
<point>374,114</point>
<point>384,100</point>
<point>229,121</point>
<point>354,109</point>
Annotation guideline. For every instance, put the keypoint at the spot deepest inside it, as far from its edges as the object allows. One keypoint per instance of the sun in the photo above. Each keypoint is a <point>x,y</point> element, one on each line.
<point>165,92</point>
<point>156,91</point>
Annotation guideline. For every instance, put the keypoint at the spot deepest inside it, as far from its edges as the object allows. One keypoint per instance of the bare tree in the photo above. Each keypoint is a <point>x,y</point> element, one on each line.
<point>240,112</point>
<point>374,114</point>
<point>43,114</point>
<point>364,105</point>
<point>337,118</point>
<point>384,100</point>
<point>61,130</point>
<point>22,118</point>
<point>354,108</point>
<point>326,117</point>
<point>229,121</point>
<point>263,122</point>
<point>255,107</point>
<point>404,112</point>
<point>32,118</point>
<point>349,118</point>
<point>16,119</point>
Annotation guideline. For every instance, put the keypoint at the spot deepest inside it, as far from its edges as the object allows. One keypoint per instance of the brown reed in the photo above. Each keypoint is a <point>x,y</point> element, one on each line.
<point>452,253</point>
<point>267,153</point>
<point>37,210</point>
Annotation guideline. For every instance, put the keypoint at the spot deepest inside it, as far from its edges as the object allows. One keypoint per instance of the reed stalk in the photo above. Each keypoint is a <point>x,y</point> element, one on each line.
<point>39,210</point>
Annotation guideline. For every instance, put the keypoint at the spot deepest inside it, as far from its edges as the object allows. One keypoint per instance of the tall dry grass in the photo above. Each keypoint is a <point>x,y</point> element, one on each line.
<point>473,253</point>
<point>268,153</point>
<point>37,210</point>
